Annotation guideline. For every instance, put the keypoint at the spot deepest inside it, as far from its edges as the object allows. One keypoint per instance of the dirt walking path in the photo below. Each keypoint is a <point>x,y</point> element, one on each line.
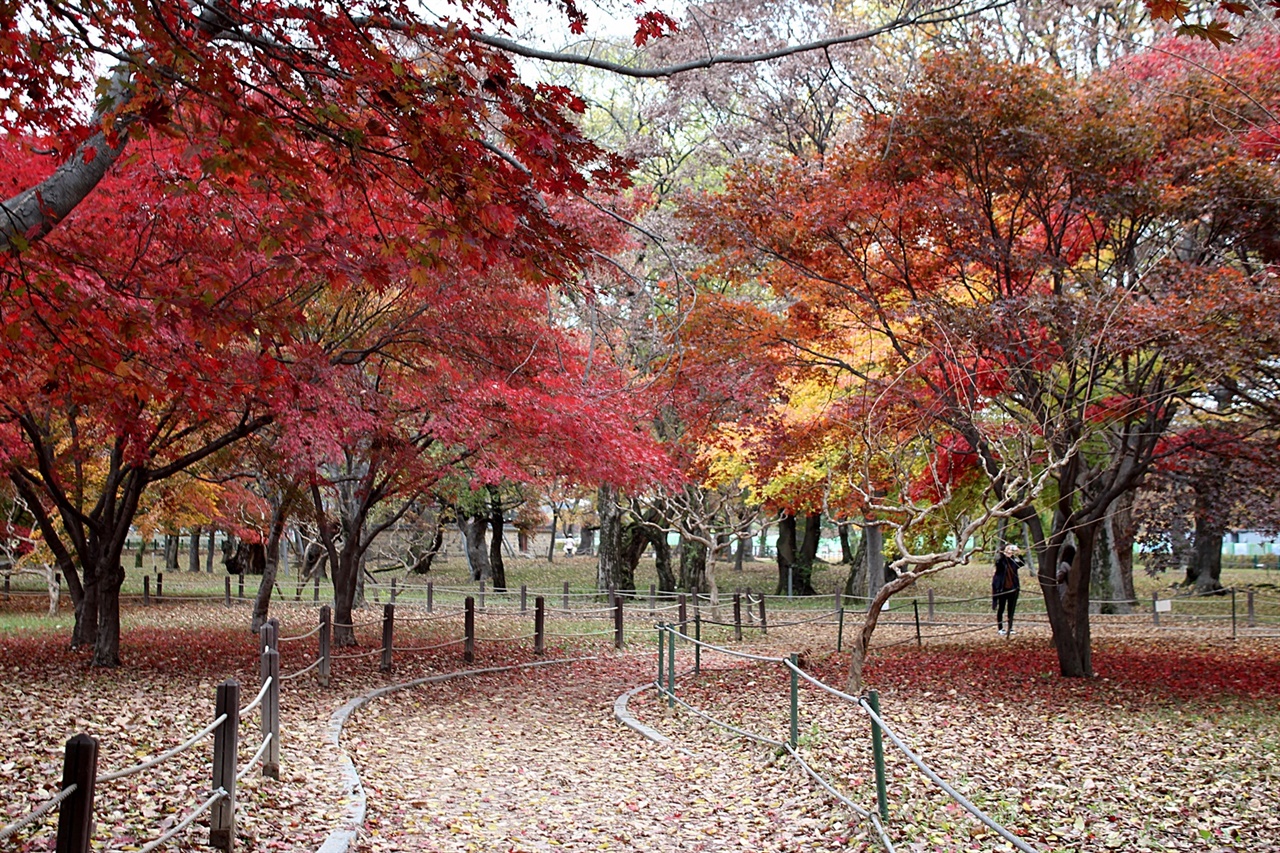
<point>534,760</point>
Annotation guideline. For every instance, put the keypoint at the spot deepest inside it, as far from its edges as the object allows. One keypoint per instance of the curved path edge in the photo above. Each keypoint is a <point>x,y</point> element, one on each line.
<point>341,839</point>
<point>623,715</point>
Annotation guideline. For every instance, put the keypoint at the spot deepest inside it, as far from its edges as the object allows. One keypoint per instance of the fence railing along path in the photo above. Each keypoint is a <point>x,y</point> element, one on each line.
<point>666,685</point>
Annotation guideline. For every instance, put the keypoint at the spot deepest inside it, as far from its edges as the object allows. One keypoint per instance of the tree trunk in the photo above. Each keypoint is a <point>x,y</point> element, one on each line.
<point>496,564</point>
<point>786,551</point>
<point>662,560</point>
<point>1069,614</point>
<point>693,565</point>
<point>193,558</point>
<point>613,571</point>
<point>346,574</point>
<point>873,536</point>
<point>473,529</point>
<point>809,543</point>
<point>270,570</point>
<point>422,565</point>
<point>208,554</point>
<point>551,549</point>
<point>587,541</point>
<point>1205,569</point>
<point>739,554</point>
<point>171,552</point>
<point>106,651</point>
<point>856,585</point>
<point>1112,579</point>
<point>846,547</point>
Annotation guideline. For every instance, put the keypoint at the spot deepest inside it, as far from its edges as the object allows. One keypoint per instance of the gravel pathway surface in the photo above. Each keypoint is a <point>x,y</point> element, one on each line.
<point>534,760</point>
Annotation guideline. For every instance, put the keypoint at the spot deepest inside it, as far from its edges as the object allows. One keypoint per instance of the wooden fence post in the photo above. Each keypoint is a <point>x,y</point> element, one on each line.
<point>240,586</point>
<point>930,604</point>
<point>524,598</point>
<point>617,622</point>
<point>326,641</point>
<point>393,590</point>
<point>737,616</point>
<point>75,817</point>
<point>388,628</point>
<point>226,742</point>
<point>159,586</point>
<point>146,590</point>
<point>469,629</point>
<point>271,712</point>
<point>764,622</point>
<point>227,584</point>
<point>430,596</point>
<point>566,595</point>
<point>539,625</point>
<point>684,611</point>
<point>1250,616</point>
<point>315,595</point>
<point>482,595</point>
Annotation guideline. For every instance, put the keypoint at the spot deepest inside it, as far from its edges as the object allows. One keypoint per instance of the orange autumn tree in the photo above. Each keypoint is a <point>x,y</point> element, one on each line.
<point>1046,276</point>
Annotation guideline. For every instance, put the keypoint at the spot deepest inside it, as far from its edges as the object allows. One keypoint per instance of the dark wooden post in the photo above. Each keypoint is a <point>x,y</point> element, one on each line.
<point>430,596</point>
<point>930,604</point>
<point>482,596</point>
<point>388,628</point>
<point>524,598</point>
<point>146,590</point>
<point>469,629</point>
<point>1252,618</point>
<point>684,611</point>
<point>226,742</point>
<point>393,591</point>
<point>6,586</point>
<point>315,595</point>
<point>539,625</point>
<point>159,585</point>
<point>566,595</point>
<point>75,817</point>
<point>271,712</point>
<point>228,589</point>
<point>326,640</point>
<point>240,586</point>
<point>737,616</point>
<point>617,622</point>
<point>764,623</point>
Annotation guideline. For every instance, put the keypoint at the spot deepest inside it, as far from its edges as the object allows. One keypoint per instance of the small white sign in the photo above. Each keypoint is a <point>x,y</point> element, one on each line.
<point>1164,605</point>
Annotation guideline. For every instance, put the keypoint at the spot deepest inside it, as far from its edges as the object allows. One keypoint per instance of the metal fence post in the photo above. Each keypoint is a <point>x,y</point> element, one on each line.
<point>671,669</point>
<point>75,818</point>
<point>469,629</point>
<point>226,741</point>
<point>662,649</point>
<point>1233,613</point>
<point>326,642</point>
<point>1155,609</point>
<point>617,622</point>
<point>388,633</point>
<point>271,712</point>
<point>795,700</point>
<point>877,750</point>
<point>539,625</point>
<point>697,635</point>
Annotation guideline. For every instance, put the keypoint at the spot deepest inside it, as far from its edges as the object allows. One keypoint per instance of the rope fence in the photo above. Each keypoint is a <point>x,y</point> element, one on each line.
<point>668,635</point>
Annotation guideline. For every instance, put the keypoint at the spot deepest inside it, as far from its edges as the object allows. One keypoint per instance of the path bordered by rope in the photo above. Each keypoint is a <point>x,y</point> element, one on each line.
<point>537,760</point>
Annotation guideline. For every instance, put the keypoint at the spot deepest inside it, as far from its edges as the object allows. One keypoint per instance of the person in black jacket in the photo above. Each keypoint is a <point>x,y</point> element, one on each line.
<point>1005,585</point>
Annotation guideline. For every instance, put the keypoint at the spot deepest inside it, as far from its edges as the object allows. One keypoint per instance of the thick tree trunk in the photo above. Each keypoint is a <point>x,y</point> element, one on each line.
<point>856,586</point>
<point>193,557</point>
<point>846,547</point>
<point>208,554</point>
<point>422,565</point>
<point>171,552</point>
<point>812,535</point>
<point>740,555</point>
<point>873,536</point>
<point>667,581</point>
<point>1204,571</point>
<point>786,554</point>
<point>693,565</point>
<point>496,565</point>
<point>106,651</point>
<point>473,529</point>
<point>346,576</point>
<point>1069,614</point>
<point>613,571</point>
<point>1112,580</point>
<point>587,542</point>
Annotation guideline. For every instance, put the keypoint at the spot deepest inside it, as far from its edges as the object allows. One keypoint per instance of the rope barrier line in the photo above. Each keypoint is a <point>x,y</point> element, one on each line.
<point>257,700</point>
<point>505,639</point>
<point>253,762</point>
<point>356,655</point>
<point>821,618</point>
<point>152,762</point>
<point>187,821</point>
<point>862,813</point>
<point>48,806</point>
<point>434,618</point>
<point>721,723</point>
<point>311,633</point>
<point>315,663</point>
<point>573,611</point>
<point>395,648</point>
<point>730,652</point>
<point>578,634</point>
<point>941,783</point>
